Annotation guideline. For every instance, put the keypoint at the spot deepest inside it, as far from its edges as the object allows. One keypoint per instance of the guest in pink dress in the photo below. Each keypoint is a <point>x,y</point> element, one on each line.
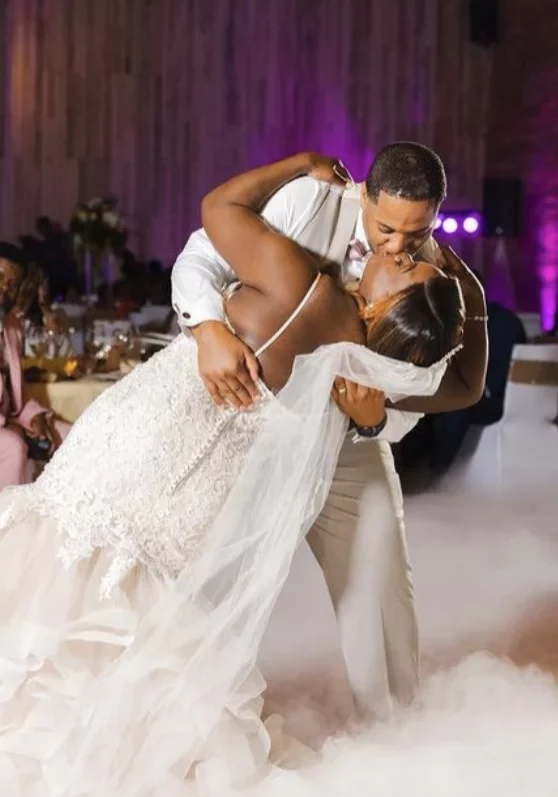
<point>23,422</point>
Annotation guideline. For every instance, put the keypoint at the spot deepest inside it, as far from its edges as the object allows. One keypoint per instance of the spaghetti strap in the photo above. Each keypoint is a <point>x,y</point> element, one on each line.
<point>290,319</point>
<point>230,414</point>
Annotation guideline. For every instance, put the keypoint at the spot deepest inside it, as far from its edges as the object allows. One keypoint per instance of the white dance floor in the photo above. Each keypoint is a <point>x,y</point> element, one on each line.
<point>484,547</point>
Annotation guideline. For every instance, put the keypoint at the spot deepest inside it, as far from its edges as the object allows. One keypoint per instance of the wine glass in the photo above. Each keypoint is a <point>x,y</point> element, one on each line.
<point>37,341</point>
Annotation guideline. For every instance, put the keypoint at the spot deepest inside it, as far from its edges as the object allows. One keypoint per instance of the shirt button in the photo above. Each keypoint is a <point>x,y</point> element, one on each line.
<point>186,316</point>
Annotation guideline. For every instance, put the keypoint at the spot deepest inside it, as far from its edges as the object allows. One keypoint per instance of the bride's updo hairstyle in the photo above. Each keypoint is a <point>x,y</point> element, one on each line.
<point>420,324</point>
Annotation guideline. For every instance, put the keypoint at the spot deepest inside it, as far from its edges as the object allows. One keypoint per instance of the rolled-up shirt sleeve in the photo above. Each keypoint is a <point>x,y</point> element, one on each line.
<point>198,279</point>
<point>200,274</point>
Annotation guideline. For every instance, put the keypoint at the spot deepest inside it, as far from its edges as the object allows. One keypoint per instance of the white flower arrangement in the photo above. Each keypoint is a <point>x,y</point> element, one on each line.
<point>97,225</point>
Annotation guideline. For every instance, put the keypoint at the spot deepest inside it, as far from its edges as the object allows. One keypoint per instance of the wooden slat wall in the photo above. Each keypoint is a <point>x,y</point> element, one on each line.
<point>158,100</point>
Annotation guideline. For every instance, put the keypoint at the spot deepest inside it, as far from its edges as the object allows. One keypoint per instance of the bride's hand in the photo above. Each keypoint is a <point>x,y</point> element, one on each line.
<point>227,366</point>
<point>328,170</point>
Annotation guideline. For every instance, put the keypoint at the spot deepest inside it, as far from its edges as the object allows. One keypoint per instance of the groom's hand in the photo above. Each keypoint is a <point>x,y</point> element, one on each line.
<point>227,366</point>
<point>328,170</point>
<point>363,405</point>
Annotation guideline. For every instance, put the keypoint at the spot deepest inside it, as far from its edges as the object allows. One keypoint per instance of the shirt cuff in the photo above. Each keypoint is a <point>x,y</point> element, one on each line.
<point>399,424</point>
<point>208,308</point>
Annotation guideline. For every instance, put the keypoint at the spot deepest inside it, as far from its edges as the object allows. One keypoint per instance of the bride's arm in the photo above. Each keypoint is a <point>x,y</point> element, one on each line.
<point>261,257</point>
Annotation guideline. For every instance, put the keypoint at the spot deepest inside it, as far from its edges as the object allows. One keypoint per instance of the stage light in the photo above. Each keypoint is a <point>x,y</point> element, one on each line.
<point>449,225</point>
<point>462,223</point>
<point>471,225</point>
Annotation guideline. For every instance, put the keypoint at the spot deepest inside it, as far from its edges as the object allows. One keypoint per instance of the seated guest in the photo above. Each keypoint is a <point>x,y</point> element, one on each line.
<point>159,283</point>
<point>40,311</point>
<point>128,293</point>
<point>52,251</point>
<point>27,430</point>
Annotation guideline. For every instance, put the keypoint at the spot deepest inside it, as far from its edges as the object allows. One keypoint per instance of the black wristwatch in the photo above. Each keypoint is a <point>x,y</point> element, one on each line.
<point>372,431</point>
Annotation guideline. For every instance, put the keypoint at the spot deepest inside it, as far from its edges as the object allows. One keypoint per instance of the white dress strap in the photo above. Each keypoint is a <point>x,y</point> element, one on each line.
<point>290,319</point>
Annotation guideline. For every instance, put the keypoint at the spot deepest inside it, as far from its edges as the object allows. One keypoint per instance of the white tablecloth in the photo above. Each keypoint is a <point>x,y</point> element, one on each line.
<point>68,399</point>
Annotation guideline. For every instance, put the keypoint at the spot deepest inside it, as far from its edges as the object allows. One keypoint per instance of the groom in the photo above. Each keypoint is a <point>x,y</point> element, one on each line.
<point>361,525</point>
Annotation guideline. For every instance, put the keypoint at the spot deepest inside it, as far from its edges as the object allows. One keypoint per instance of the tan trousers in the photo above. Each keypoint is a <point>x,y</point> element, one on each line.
<point>359,542</point>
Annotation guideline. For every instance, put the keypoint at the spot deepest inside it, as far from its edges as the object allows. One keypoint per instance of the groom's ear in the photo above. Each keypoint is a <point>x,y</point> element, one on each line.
<point>363,195</point>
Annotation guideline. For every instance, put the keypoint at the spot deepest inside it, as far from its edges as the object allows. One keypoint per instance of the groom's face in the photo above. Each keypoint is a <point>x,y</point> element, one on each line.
<point>394,225</point>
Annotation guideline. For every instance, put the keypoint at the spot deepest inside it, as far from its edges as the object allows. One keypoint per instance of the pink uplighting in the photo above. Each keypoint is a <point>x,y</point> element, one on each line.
<point>449,225</point>
<point>547,234</point>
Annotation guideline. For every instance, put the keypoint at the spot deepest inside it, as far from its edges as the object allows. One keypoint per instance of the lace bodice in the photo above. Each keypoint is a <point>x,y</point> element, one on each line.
<point>119,480</point>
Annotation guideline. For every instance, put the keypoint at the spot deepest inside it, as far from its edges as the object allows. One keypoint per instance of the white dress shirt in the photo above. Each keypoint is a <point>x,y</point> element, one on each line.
<point>200,274</point>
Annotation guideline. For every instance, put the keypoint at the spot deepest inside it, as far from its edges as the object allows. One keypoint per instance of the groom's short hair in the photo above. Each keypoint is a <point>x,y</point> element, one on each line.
<point>408,170</point>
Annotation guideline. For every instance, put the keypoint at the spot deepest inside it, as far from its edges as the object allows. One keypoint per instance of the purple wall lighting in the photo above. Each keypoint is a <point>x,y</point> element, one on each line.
<point>547,266</point>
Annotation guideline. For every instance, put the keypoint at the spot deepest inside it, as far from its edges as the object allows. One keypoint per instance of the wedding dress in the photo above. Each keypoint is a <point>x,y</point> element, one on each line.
<point>138,573</point>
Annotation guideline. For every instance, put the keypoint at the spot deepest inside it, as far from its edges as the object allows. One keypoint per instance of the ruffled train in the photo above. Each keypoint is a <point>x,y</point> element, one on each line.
<point>152,692</point>
<point>94,704</point>
<point>82,678</point>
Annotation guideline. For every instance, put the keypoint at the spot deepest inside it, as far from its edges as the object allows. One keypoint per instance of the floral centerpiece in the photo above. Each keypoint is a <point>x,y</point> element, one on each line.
<point>98,234</point>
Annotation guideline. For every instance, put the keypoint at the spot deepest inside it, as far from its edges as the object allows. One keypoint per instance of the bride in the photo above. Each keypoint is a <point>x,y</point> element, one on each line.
<point>138,572</point>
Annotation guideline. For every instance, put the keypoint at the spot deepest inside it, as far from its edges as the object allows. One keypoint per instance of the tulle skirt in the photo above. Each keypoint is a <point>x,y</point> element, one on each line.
<point>78,689</point>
